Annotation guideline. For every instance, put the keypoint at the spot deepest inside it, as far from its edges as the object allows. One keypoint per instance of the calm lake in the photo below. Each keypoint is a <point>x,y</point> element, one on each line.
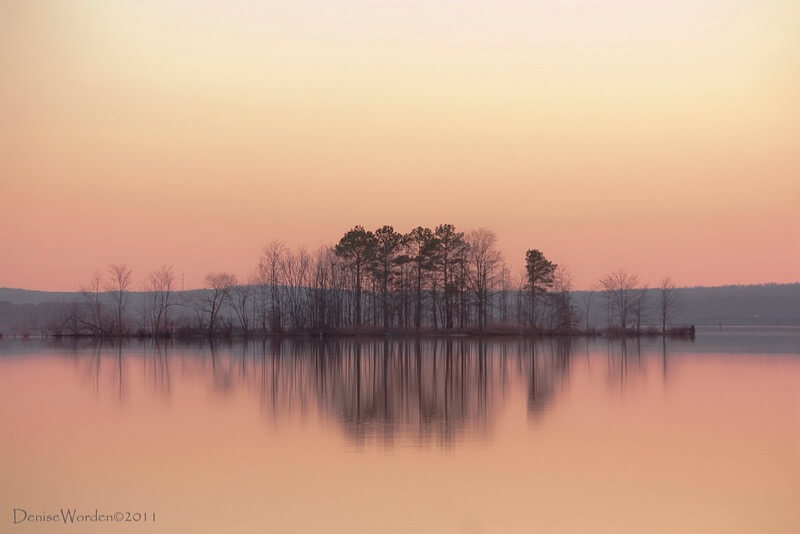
<point>464,435</point>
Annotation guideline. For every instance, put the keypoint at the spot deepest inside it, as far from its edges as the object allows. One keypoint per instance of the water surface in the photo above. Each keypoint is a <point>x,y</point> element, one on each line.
<point>406,436</point>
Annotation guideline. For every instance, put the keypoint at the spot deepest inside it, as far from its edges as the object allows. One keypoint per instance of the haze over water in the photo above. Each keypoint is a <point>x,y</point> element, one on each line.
<point>499,435</point>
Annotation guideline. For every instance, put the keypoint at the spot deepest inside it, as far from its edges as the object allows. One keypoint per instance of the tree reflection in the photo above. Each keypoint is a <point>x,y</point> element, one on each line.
<point>545,367</point>
<point>381,390</point>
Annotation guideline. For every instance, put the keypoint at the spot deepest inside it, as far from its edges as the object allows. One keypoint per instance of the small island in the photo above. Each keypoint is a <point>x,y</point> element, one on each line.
<point>426,282</point>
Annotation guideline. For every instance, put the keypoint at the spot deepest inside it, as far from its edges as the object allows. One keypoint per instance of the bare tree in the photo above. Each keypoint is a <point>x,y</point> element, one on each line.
<point>337,312</point>
<point>296,272</point>
<point>563,314</point>
<point>619,288</point>
<point>639,307</point>
<point>159,286</point>
<point>241,297</point>
<point>588,297</point>
<point>505,291</point>
<point>214,300</point>
<point>94,319</point>
<point>461,281</point>
<point>484,259</point>
<point>270,273</point>
<point>323,282</point>
<point>667,303</point>
<point>121,278</point>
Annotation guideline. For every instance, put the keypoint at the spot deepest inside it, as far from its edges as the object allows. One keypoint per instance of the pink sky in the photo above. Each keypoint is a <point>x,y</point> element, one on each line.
<point>657,136</point>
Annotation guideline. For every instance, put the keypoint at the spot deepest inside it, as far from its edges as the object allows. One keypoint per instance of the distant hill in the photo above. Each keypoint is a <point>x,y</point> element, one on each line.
<point>30,296</point>
<point>750,305</point>
<point>768,304</point>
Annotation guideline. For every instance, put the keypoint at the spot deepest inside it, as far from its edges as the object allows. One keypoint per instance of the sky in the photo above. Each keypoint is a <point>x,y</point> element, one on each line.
<point>657,136</point>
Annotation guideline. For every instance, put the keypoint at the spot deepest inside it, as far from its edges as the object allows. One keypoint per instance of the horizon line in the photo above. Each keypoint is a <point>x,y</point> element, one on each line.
<point>596,290</point>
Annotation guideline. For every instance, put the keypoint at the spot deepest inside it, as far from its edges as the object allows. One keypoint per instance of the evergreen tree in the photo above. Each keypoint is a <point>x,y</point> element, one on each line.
<point>540,272</point>
<point>451,245</point>
<point>386,257</point>
<point>356,248</point>
<point>423,247</point>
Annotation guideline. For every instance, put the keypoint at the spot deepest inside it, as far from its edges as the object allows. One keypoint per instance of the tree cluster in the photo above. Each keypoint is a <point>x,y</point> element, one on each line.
<point>425,280</point>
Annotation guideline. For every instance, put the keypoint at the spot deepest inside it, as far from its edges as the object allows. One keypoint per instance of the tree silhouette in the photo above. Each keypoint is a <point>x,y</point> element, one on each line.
<point>621,296</point>
<point>484,258</point>
<point>356,248</point>
<point>423,246</point>
<point>438,279</point>
<point>451,243</point>
<point>387,249</point>
<point>540,272</point>
<point>159,290</point>
<point>212,302</point>
<point>120,279</point>
<point>667,303</point>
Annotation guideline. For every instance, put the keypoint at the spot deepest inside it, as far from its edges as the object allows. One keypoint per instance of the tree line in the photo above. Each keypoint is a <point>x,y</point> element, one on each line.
<point>427,280</point>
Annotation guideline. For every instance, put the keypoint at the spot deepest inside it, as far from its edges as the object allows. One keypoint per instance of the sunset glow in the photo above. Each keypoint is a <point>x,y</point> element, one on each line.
<point>659,136</point>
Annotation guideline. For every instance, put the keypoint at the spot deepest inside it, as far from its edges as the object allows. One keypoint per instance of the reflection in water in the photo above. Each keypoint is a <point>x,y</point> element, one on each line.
<point>403,435</point>
<point>377,389</point>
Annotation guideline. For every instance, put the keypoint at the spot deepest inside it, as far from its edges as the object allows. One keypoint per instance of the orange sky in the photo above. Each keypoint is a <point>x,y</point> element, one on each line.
<point>662,136</point>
